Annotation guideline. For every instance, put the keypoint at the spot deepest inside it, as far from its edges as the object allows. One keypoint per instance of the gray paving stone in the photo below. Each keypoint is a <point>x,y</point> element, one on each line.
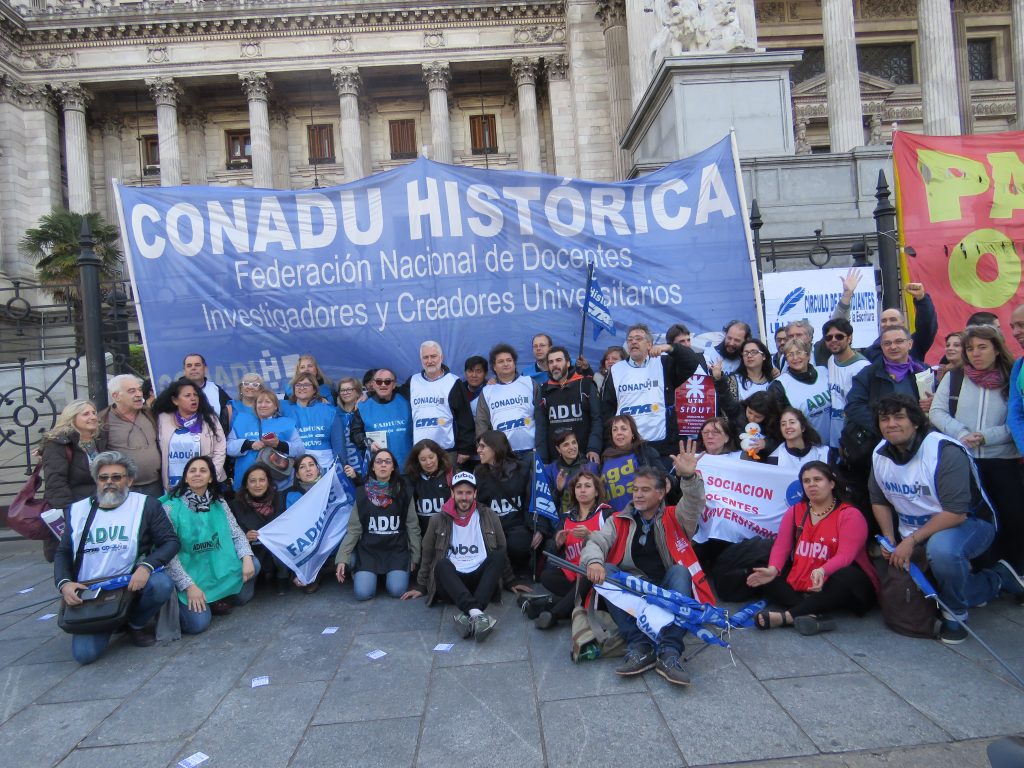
<point>556,677</point>
<point>371,689</point>
<point>300,653</point>
<point>175,701</point>
<point>579,732</point>
<point>497,716</point>
<point>152,753</point>
<point>22,685</point>
<point>852,711</point>
<point>12,650</point>
<point>54,649</point>
<point>134,666</point>
<point>28,624</point>
<point>785,653</point>
<point>43,734</point>
<point>924,672</point>
<point>373,744</point>
<point>724,699</point>
<point>385,614</point>
<point>970,754</point>
<point>256,726</point>
<point>1004,636</point>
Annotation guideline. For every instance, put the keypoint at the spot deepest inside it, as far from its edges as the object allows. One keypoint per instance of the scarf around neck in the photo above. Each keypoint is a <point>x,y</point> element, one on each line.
<point>379,492</point>
<point>196,502</point>
<point>900,371</point>
<point>991,378</point>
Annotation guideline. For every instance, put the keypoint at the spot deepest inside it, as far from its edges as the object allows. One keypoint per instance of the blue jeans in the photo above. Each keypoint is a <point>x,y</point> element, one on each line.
<point>670,639</point>
<point>364,583</point>
<point>950,552</point>
<point>194,622</point>
<point>158,590</point>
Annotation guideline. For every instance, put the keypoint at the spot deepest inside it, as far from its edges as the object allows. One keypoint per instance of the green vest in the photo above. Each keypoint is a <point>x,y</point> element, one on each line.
<point>207,552</point>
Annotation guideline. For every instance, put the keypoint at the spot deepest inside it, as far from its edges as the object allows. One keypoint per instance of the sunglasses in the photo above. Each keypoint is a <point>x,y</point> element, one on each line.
<point>835,337</point>
<point>251,384</point>
<point>111,478</point>
<point>383,382</point>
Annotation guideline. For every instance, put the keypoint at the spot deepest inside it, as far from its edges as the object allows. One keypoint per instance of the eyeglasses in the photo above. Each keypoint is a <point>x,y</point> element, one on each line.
<point>752,352</point>
<point>383,460</point>
<point>895,342</point>
<point>383,382</point>
<point>346,391</point>
<point>303,385</point>
<point>251,384</point>
<point>711,433</point>
<point>111,478</point>
<point>835,337</point>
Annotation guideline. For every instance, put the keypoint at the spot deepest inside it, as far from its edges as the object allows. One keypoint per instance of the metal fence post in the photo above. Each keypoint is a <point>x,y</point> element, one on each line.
<point>888,245</point>
<point>92,317</point>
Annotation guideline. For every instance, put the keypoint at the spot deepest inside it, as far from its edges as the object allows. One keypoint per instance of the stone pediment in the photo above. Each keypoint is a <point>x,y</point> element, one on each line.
<point>871,87</point>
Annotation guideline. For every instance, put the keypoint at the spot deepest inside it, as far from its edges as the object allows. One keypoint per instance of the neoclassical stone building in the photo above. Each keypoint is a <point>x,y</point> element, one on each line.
<point>298,93</point>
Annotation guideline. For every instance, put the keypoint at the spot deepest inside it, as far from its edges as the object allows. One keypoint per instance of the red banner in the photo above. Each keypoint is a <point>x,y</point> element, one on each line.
<point>961,207</point>
<point>696,402</point>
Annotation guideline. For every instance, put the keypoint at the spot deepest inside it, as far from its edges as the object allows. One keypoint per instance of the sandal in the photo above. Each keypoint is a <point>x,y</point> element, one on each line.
<point>812,625</point>
<point>763,620</point>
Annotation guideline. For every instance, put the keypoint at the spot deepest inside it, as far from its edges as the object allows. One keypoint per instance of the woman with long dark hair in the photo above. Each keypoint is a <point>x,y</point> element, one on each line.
<point>801,442</point>
<point>383,532</point>
<point>257,503</point>
<point>819,562</point>
<point>187,426</point>
<point>210,574</point>
<point>560,472</point>
<point>503,484</point>
<point>625,454</point>
<point>762,408</point>
<point>755,374</point>
<point>428,470</point>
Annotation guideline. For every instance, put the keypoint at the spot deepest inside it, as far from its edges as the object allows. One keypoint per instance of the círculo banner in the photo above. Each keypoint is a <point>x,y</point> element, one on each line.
<point>812,295</point>
<point>360,274</point>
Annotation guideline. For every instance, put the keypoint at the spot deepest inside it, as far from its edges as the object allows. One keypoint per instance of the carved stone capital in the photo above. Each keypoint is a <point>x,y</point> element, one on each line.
<point>524,70</point>
<point>347,80</point>
<point>72,96</point>
<point>612,13</point>
<point>195,120</point>
<point>556,67</point>
<point>110,125</point>
<point>25,96</point>
<point>164,90</point>
<point>437,75</point>
<point>255,85</point>
<point>279,114</point>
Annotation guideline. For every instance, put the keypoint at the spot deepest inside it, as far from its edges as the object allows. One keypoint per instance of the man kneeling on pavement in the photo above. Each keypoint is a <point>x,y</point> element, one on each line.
<point>465,560</point>
<point>651,541</point>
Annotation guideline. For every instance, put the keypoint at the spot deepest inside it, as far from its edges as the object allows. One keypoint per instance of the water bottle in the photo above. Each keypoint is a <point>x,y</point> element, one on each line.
<point>590,652</point>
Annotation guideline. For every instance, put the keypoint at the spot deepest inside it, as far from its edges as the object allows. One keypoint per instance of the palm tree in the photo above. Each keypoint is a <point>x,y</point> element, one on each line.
<point>54,245</point>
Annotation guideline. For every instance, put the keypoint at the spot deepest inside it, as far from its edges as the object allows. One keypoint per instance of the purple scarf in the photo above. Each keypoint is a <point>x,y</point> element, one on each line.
<point>899,371</point>
<point>989,379</point>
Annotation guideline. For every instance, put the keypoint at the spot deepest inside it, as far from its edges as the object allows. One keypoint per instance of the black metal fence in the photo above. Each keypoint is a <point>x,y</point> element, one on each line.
<point>42,365</point>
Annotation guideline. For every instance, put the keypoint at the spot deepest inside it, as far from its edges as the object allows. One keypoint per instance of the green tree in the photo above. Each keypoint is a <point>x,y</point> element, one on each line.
<point>54,245</point>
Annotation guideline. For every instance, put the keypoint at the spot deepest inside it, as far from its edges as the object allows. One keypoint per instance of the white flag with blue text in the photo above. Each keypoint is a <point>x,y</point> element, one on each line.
<point>311,529</point>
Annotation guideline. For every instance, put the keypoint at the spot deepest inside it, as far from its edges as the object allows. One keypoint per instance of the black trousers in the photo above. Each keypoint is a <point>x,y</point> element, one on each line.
<point>565,591</point>
<point>848,588</point>
<point>269,564</point>
<point>1003,481</point>
<point>469,590</point>
<point>518,539</point>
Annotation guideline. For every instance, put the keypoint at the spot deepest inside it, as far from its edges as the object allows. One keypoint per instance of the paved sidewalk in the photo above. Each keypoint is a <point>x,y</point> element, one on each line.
<point>859,697</point>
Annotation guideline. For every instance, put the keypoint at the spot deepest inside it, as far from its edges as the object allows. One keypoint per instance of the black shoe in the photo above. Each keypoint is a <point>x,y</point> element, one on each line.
<point>1010,580</point>
<point>637,661</point>
<point>952,632</point>
<point>670,667</point>
<point>546,620</point>
<point>812,625</point>
<point>143,638</point>
<point>220,608</point>
<point>282,586</point>
<point>533,605</point>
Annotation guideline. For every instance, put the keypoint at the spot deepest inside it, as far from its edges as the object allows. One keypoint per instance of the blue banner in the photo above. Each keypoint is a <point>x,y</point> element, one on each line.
<point>541,500</point>
<point>360,274</point>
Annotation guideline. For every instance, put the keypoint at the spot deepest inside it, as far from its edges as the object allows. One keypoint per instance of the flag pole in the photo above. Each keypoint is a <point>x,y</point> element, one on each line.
<point>586,303</point>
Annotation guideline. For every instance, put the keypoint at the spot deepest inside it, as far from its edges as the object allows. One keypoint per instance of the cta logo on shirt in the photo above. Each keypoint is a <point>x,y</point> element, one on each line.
<point>507,426</point>
<point>434,421</point>
<point>630,410</point>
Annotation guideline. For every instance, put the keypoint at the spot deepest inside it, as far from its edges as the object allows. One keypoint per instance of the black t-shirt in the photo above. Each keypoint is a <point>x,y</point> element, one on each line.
<point>646,556</point>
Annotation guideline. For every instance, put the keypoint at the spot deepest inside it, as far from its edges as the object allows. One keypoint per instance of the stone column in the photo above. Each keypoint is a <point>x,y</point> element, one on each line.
<point>438,76</point>
<point>282,167</point>
<point>111,127</point>
<point>364,127</point>
<point>563,121</point>
<point>195,146</point>
<point>348,82</point>
<point>1017,36</point>
<point>256,86</point>
<point>165,93</point>
<point>939,102</point>
<point>524,72</point>
<point>612,14</point>
<point>845,123</point>
<point>963,68</point>
<point>74,99</point>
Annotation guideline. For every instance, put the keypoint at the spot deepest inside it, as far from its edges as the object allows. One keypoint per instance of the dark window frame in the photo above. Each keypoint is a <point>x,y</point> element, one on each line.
<point>320,136</point>
<point>482,127</point>
<point>240,137</point>
<point>402,138</point>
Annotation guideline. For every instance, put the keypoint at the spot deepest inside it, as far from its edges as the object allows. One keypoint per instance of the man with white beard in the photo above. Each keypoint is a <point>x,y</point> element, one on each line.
<point>125,533</point>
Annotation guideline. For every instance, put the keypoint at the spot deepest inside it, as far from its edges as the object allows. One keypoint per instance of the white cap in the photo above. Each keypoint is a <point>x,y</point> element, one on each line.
<point>464,477</point>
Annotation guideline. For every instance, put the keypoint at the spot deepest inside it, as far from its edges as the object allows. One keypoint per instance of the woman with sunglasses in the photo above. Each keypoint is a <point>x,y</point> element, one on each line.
<point>248,388</point>
<point>383,419</point>
<point>383,532</point>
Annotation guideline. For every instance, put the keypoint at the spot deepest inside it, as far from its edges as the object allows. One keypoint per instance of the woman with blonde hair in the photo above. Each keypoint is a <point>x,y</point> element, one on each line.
<point>308,364</point>
<point>66,451</point>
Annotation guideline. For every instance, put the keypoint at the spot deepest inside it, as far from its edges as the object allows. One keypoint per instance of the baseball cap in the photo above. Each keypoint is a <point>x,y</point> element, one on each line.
<point>464,477</point>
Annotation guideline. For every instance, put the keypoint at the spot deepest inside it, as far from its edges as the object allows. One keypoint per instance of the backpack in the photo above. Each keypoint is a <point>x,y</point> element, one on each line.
<point>594,633</point>
<point>905,609</point>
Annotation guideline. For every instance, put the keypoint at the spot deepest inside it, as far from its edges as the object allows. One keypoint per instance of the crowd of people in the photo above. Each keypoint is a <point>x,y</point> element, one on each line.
<point>444,469</point>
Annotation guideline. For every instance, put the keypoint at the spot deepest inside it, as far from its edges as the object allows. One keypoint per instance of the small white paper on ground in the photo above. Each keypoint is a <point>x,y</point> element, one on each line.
<point>377,654</point>
<point>444,647</point>
<point>260,681</point>
<point>46,616</point>
<point>193,760</point>
<point>329,630</point>
<point>25,591</point>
